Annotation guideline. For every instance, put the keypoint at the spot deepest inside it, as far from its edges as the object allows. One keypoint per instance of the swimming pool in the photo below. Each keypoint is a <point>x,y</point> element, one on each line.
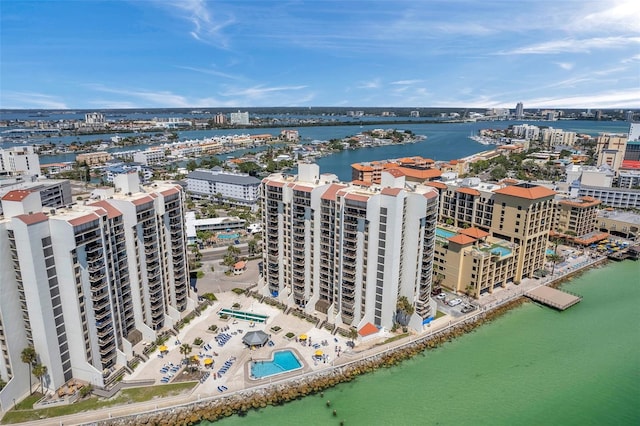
<point>550,252</point>
<point>282,362</point>
<point>228,236</point>
<point>502,251</point>
<point>443,233</point>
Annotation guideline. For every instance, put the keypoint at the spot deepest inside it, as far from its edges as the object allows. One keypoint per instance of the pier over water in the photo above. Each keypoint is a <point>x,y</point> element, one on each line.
<point>557,299</point>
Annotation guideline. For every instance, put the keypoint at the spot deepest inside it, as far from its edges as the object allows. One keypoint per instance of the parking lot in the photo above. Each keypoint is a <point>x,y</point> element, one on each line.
<point>461,304</point>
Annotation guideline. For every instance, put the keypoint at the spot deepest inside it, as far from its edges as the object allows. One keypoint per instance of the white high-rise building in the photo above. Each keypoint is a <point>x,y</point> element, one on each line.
<point>19,160</point>
<point>239,118</point>
<point>519,111</point>
<point>347,250</point>
<point>85,285</point>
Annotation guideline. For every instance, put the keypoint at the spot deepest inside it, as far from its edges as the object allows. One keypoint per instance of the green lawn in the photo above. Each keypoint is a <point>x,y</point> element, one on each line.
<point>24,413</point>
<point>439,314</point>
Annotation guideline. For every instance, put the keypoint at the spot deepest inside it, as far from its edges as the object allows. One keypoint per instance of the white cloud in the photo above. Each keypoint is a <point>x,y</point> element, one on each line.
<point>211,72</point>
<point>406,82</point>
<point>565,65</point>
<point>33,100</point>
<point>207,26</point>
<point>371,84</point>
<point>623,98</point>
<point>573,45</point>
<point>260,91</point>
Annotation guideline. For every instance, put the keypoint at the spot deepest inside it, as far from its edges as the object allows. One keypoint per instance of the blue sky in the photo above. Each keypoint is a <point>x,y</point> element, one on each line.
<point>242,53</point>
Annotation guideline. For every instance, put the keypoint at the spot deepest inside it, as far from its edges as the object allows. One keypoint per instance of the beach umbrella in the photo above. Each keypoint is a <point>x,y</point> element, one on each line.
<point>318,352</point>
<point>208,361</point>
<point>303,337</point>
<point>163,348</point>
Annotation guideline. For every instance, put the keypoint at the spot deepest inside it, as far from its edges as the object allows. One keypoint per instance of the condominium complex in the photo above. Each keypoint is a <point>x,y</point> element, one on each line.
<point>52,192</point>
<point>575,217</point>
<point>349,251</point>
<point>494,234</point>
<point>415,169</point>
<point>20,160</point>
<point>86,285</point>
<point>239,118</point>
<point>236,188</point>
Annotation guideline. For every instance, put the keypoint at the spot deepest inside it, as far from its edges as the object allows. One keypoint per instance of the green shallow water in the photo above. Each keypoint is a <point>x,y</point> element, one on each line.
<point>532,366</point>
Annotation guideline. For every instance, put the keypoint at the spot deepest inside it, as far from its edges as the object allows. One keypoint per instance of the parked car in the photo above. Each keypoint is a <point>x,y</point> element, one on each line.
<point>455,302</point>
<point>441,296</point>
<point>468,308</point>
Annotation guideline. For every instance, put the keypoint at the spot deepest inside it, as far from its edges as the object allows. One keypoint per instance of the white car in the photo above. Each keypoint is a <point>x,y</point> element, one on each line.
<point>455,302</point>
<point>441,296</point>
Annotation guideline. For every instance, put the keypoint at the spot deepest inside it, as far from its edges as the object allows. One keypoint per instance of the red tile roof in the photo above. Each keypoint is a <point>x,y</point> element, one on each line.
<point>395,172</point>
<point>170,191</point>
<point>303,188</point>
<point>391,191</point>
<point>330,193</point>
<point>16,195</point>
<point>421,173</point>
<point>474,232</point>
<point>111,211</point>
<point>462,239</point>
<point>30,219</point>
<point>436,184</point>
<point>368,329</point>
<point>84,219</point>
<point>532,193</point>
<point>469,191</point>
<point>356,197</point>
<point>143,200</point>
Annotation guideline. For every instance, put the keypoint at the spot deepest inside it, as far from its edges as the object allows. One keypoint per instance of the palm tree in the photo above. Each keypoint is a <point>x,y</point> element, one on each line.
<point>252,245</point>
<point>404,310</point>
<point>40,370</point>
<point>185,349</point>
<point>555,258</point>
<point>353,334</point>
<point>29,356</point>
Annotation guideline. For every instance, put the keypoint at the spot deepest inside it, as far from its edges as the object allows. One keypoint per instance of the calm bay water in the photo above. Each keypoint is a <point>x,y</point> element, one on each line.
<point>532,366</point>
<point>445,141</point>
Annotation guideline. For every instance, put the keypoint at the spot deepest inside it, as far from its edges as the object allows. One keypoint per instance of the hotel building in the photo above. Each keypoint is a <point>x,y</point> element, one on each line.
<point>495,234</point>
<point>86,284</point>
<point>236,188</point>
<point>415,169</point>
<point>349,251</point>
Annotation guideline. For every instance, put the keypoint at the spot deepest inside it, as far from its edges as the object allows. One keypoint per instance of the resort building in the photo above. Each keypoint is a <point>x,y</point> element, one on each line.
<point>472,261</point>
<point>415,169</point>
<point>349,250</point>
<point>235,188</point>
<point>86,285</point>
<point>93,158</point>
<point>575,218</point>
<point>517,217</point>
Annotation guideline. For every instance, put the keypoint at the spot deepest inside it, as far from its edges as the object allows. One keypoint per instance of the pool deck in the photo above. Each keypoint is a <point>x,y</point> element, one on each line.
<point>238,376</point>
